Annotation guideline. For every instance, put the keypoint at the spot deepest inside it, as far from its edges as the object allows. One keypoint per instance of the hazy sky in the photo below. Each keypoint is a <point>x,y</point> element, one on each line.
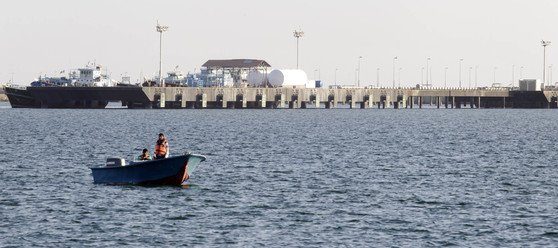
<point>45,37</point>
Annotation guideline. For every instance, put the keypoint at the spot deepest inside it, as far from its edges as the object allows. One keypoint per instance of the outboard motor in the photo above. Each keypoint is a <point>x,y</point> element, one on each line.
<point>115,162</point>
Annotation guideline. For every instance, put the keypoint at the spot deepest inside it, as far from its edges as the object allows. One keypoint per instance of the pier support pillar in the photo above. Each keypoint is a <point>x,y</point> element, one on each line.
<point>411,102</point>
<point>204,100</point>
<point>504,102</point>
<point>283,100</point>
<point>162,100</point>
<point>317,101</point>
<point>244,101</point>
<point>453,102</point>
<point>438,101</point>
<point>370,101</point>
<point>420,102</point>
<point>353,103</point>
<point>263,101</point>
<point>335,100</point>
<point>183,102</point>
<point>478,102</point>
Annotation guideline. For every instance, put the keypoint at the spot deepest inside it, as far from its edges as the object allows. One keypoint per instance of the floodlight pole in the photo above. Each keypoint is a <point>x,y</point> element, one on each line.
<point>422,76</point>
<point>335,78</point>
<point>445,76</point>
<point>544,44</point>
<point>460,61</point>
<point>161,29</point>
<point>399,78</point>
<point>427,69</point>
<point>297,35</point>
<point>393,83</point>
<point>378,77</point>
<point>358,71</point>
<point>476,74</point>
<point>494,82</point>
<point>470,69</point>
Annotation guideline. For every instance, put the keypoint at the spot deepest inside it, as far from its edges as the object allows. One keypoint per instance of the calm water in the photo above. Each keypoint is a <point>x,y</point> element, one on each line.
<point>285,178</point>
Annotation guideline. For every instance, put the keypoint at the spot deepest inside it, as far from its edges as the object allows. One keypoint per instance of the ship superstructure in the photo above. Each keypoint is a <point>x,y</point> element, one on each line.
<point>89,76</point>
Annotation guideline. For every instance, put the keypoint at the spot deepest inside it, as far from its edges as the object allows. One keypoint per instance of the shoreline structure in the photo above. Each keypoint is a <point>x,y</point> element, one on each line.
<point>278,98</point>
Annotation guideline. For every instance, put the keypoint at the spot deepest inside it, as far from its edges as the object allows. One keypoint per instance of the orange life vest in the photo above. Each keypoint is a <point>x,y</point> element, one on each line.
<point>161,148</point>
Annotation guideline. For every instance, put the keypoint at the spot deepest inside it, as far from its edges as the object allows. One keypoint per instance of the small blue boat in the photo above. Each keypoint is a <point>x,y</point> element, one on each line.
<point>168,171</point>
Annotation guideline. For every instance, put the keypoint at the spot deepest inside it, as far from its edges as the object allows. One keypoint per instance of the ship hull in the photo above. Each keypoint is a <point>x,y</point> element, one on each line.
<point>74,97</point>
<point>20,98</point>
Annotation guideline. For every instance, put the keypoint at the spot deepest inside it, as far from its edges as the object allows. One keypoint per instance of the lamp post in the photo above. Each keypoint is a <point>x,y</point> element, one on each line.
<point>544,44</point>
<point>358,71</point>
<point>399,78</point>
<point>460,61</point>
<point>393,82</point>
<point>550,76</point>
<point>161,29</point>
<point>378,77</point>
<point>335,78</point>
<point>427,69</point>
<point>476,74</point>
<point>445,76</point>
<point>297,35</point>
<point>422,76</point>
<point>494,82</point>
<point>470,69</point>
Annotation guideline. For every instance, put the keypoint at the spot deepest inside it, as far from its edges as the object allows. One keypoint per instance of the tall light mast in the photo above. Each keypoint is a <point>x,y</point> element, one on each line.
<point>544,44</point>
<point>297,35</point>
<point>393,76</point>
<point>161,29</point>
<point>358,71</point>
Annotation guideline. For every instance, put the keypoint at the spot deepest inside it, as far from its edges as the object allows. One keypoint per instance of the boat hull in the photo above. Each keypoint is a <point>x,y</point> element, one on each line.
<point>20,98</point>
<point>75,97</point>
<point>170,171</point>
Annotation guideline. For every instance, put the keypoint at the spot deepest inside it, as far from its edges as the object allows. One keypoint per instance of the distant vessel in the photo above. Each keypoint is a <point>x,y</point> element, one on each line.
<point>44,90</point>
<point>174,78</point>
<point>88,76</point>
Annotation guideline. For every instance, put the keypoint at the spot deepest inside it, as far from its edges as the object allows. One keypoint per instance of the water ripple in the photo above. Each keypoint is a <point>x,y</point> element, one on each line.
<point>285,178</point>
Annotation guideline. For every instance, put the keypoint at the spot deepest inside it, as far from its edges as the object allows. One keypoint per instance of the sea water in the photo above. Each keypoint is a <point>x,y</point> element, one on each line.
<point>464,177</point>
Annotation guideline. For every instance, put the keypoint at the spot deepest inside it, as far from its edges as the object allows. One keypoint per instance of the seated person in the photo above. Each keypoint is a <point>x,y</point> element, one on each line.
<point>144,155</point>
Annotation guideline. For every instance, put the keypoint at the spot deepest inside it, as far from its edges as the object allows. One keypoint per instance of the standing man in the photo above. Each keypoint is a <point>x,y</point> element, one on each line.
<point>162,147</point>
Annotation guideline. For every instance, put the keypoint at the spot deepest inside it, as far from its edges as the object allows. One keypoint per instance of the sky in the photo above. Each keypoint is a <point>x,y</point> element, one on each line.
<point>491,36</point>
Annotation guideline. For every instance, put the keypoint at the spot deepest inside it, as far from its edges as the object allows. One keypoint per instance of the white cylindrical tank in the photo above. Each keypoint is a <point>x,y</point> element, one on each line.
<point>280,78</point>
<point>256,78</point>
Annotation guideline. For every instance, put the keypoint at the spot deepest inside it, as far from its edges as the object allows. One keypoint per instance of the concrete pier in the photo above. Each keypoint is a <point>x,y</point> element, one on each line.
<point>184,97</point>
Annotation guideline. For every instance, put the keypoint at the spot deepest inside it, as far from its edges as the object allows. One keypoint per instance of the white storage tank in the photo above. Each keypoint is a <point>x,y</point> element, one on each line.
<point>256,78</point>
<point>280,78</point>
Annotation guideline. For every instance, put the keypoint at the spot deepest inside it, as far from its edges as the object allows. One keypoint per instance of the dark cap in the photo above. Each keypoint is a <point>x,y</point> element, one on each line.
<point>161,134</point>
